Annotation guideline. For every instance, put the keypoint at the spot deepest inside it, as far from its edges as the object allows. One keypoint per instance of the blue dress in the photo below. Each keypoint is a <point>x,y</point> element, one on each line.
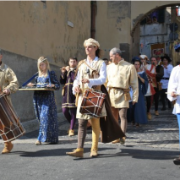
<point>46,110</point>
<point>140,107</point>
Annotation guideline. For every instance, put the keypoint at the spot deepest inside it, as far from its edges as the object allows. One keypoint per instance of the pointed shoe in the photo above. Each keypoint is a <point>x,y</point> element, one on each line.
<point>122,141</point>
<point>156,113</point>
<point>76,153</point>
<point>116,141</point>
<point>38,142</point>
<point>71,132</point>
<point>149,116</point>
<point>7,147</point>
<point>93,153</point>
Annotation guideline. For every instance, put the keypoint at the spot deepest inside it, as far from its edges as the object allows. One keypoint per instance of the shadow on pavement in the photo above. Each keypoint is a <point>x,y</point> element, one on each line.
<point>148,154</point>
<point>51,152</point>
<point>140,154</point>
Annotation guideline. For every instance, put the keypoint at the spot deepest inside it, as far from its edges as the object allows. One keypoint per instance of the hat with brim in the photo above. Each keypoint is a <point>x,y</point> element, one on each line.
<point>144,57</point>
<point>91,42</point>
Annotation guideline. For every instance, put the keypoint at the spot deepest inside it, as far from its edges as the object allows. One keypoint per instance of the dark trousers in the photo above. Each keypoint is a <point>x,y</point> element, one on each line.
<point>156,98</point>
<point>149,100</point>
<point>82,132</point>
<point>130,113</point>
<point>164,99</point>
<point>70,114</point>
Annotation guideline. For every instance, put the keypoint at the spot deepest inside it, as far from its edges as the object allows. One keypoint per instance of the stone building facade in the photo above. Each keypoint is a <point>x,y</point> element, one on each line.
<point>57,29</point>
<point>30,29</point>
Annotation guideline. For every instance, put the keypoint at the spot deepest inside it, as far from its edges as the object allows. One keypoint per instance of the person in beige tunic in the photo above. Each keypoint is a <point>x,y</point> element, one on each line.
<point>120,76</point>
<point>85,79</point>
<point>8,84</point>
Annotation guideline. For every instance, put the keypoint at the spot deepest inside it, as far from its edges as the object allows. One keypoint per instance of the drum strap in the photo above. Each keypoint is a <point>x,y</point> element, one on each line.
<point>81,62</point>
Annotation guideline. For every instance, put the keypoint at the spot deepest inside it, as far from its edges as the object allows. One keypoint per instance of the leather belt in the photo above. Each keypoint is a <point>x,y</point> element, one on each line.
<point>125,91</point>
<point>166,78</point>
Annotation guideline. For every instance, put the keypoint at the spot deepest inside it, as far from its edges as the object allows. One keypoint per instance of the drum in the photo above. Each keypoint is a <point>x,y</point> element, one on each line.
<point>92,102</point>
<point>10,126</point>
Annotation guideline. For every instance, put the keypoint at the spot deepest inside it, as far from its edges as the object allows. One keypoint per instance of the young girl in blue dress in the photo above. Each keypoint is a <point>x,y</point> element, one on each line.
<point>44,103</point>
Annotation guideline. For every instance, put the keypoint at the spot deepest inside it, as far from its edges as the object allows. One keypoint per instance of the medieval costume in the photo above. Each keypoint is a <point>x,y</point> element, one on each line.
<point>164,82</point>
<point>150,72</point>
<point>174,87</point>
<point>45,106</point>
<point>140,110</point>
<point>120,77</point>
<point>46,110</point>
<point>8,81</point>
<point>85,71</point>
<point>157,88</point>
<point>68,101</point>
<point>130,111</point>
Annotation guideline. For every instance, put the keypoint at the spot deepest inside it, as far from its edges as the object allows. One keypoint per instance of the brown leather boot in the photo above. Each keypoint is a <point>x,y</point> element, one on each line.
<point>7,147</point>
<point>149,116</point>
<point>156,113</point>
<point>76,153</point>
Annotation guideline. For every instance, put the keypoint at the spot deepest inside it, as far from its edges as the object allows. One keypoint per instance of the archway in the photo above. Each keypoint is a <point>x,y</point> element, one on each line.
<point>146,34</point>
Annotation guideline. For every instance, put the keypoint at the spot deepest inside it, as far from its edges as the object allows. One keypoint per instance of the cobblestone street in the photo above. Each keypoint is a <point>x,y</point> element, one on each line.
<point>160,132</point>
<point>147,155</point>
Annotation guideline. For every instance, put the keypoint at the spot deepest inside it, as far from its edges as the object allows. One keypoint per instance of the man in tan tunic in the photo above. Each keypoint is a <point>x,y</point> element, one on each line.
<point>83,80</point>
<point>8,84</point>
<point>120,76</point>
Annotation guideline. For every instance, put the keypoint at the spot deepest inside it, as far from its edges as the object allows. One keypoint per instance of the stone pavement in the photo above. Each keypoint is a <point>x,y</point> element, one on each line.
<point>160,132</point>
<point>148,155</point>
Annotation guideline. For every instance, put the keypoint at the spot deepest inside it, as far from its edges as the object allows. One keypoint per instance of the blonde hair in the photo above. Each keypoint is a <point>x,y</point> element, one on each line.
<point>44,60</point>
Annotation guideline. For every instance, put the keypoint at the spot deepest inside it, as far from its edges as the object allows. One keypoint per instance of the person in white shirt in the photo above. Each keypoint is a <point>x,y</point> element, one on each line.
<point>174,95</point>
<point>91,74</point>
<point>164,81</point>
<point>150,71</point>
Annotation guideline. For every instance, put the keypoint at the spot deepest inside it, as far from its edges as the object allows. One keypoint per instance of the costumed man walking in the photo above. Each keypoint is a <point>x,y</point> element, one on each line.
<point>158,87</point>
<point>150,71</point>
<point>120,76</point>
<point>165,80</point>
<point>86,79</point>
<point>8,85</point>
<point>174,95</point>
<point>68,103</point>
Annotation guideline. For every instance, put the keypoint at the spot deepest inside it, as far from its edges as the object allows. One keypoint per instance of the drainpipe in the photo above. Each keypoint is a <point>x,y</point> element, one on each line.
<point>93,18</point>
